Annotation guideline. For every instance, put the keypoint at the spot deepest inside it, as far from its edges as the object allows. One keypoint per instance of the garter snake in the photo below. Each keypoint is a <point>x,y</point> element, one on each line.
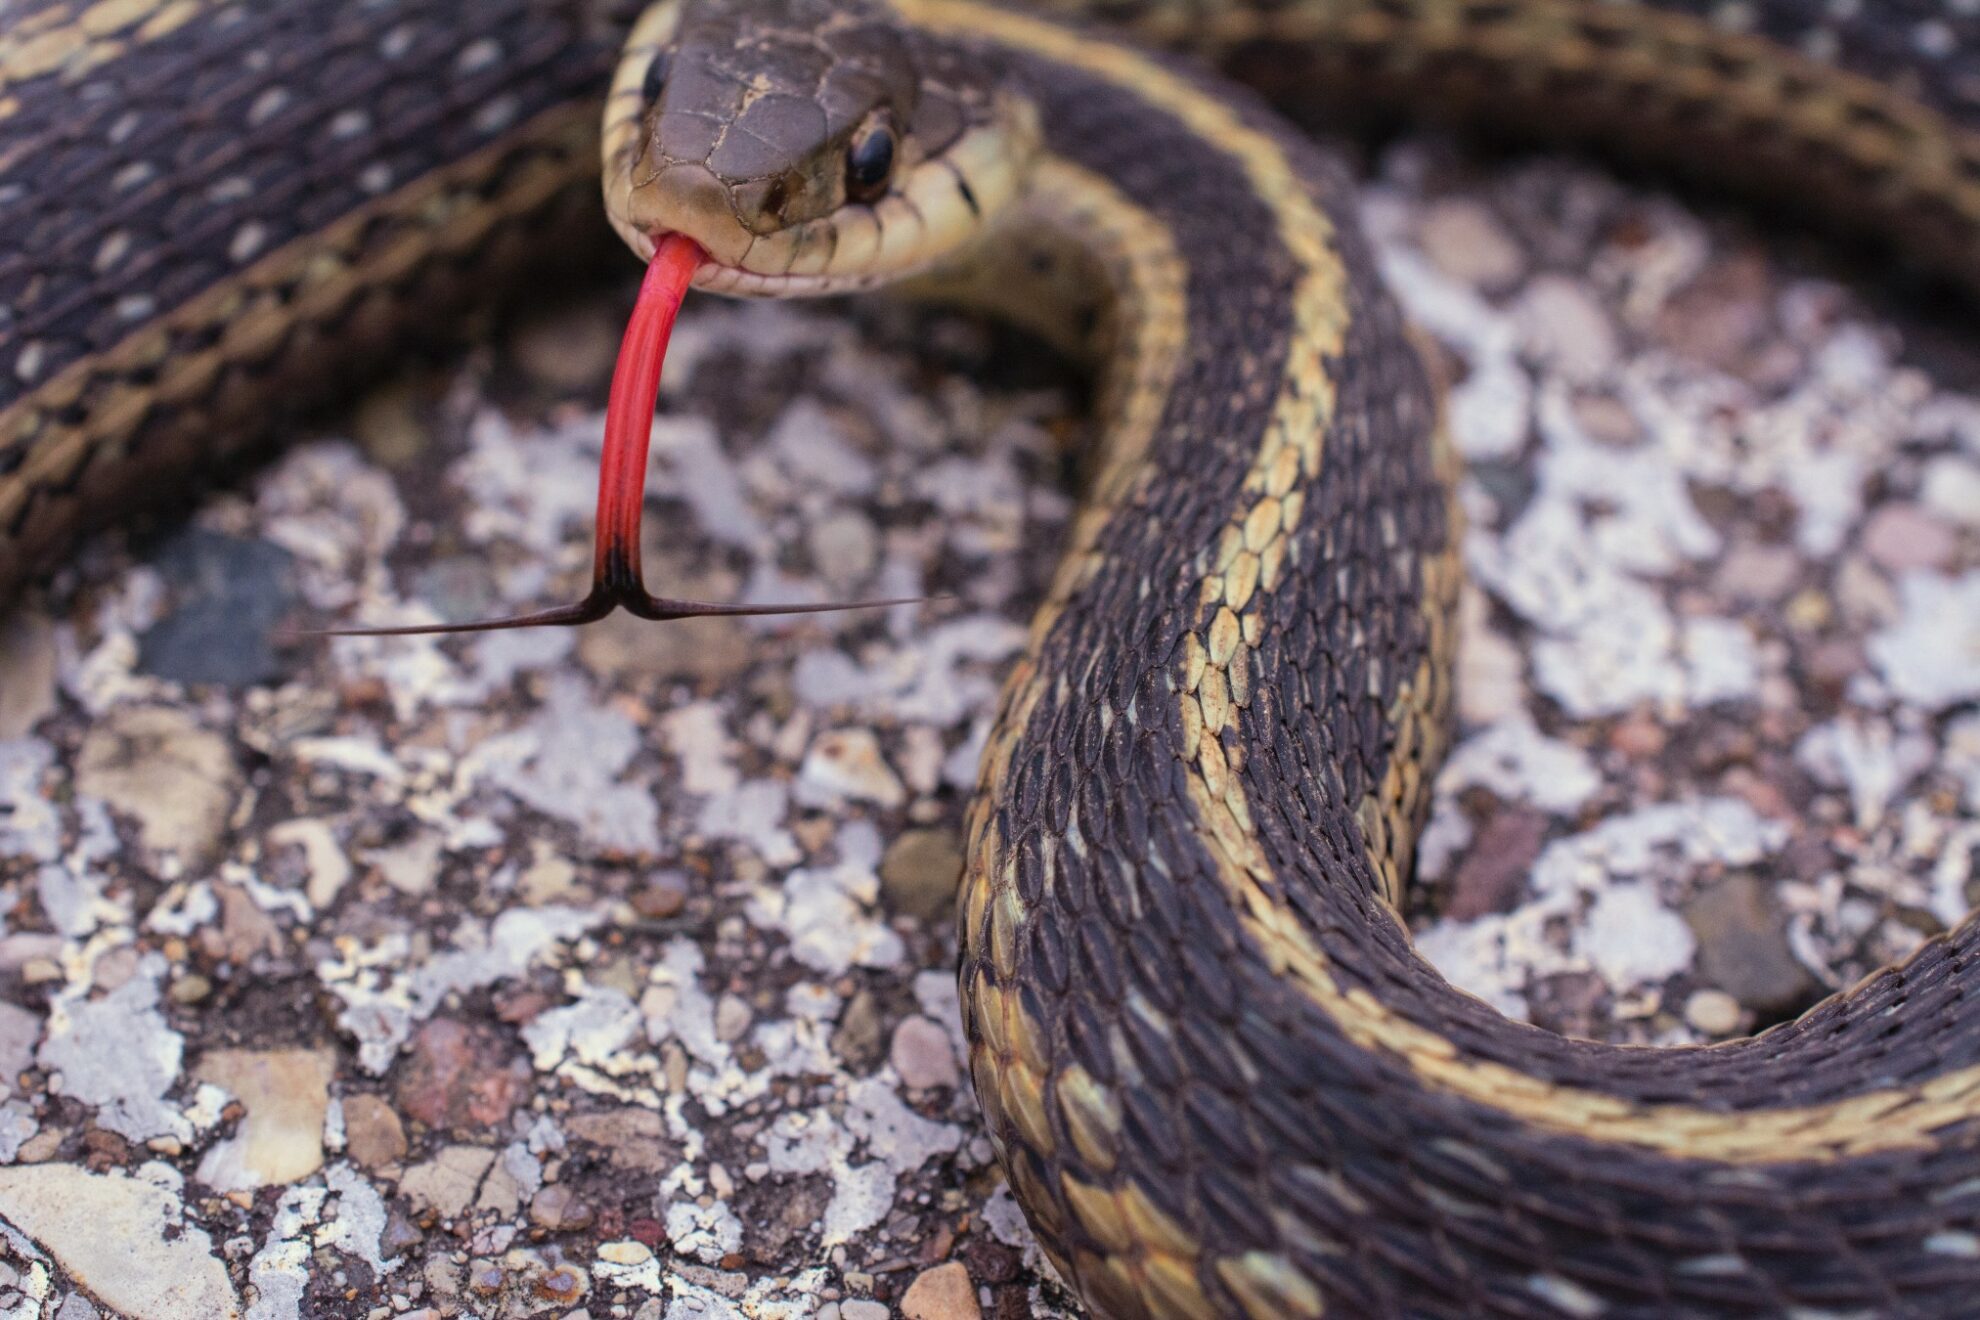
<point>1218,1078</point>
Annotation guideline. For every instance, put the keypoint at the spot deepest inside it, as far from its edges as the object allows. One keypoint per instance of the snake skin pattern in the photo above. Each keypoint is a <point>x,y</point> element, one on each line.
<point>1220,1080</point>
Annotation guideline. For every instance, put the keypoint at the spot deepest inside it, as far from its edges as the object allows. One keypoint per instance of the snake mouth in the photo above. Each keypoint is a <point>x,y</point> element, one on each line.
<point>617,580</point>
<point>735,282</point>
<point>732,278</point>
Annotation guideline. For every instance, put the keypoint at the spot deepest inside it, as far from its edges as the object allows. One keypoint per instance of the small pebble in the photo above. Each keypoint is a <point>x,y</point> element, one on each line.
<point>1468,242</point>
<point>1721,318</point>
<point>1607,420</point>
<point>1951,490</point>
<point>1903,536</point>
<point>920,872</point>
<point>662,896</point>
<point>1758,573</point>
<point>1492,874</point>
<point>388,425</point>
<point>1743,948</point>
<point>571,348</point>
<point>732,1018</point>
<point>943,1293</point>
<point>629,1252</point>
<point>1638,735</point>
<point>1713,1012</point>
<point>373,1135</point>
<point>559,1209</point>
<point>857,1042</point>
<point>923,1055</point>
<point>1562,325</point>
<point>848,763</point>
<point>845,547</point>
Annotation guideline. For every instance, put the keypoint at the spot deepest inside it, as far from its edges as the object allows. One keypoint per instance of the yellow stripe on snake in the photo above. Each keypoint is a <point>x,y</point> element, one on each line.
<point>1218,1077</point>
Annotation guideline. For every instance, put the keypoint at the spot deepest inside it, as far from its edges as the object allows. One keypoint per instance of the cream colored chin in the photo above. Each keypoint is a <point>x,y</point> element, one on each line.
<point>924,219</point>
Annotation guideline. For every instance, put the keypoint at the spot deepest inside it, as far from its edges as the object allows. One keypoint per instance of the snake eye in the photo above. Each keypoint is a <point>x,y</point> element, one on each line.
<point>870,161</point>
<point>656,79</point>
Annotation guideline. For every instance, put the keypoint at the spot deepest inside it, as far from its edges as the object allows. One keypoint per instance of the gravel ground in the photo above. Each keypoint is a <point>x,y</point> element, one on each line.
<point>607,974</point>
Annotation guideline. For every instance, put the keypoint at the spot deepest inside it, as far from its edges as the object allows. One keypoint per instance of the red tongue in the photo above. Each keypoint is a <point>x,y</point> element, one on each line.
<point>615,572</point>
<point>629,416</point>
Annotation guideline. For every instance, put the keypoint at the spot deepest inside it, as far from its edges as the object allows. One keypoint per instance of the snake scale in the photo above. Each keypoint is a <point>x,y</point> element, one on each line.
<point>1220,1081</point>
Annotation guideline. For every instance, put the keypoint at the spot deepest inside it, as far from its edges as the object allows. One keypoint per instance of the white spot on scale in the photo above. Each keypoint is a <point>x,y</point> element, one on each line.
<point>477,55</point>
<point>28,362</point>
<point>350,124</point>
<point>1959,1191</point>
<point>396,42</point>
<point>1735,16</point>
<point>497,115</point>
<point>114,248</point>
<point>1953,1243</point>
<point>1720,1263</point>
<point>136,307</point>
<point>247,241</point>
<point>266,106</point>
<point>133,175</point>
<point>1567,1295</point>
<point>375,178</point>
<point>1934,40</point>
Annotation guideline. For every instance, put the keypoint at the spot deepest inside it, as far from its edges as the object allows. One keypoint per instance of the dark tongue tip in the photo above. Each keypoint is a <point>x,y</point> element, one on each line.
<point>616,578</point>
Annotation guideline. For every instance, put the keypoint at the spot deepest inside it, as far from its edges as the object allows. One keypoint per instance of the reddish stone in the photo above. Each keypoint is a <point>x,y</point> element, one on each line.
<point>1495,866</point>
<point>461,1077</point>
<point>521,1006</point>
<point>1640,736</point>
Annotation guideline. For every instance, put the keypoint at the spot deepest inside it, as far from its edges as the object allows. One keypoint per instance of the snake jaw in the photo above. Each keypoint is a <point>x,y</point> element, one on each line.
<point>617,580</point>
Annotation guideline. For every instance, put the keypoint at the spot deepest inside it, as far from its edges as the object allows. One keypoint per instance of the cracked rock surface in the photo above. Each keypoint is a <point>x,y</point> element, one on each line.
<point>608,974</point>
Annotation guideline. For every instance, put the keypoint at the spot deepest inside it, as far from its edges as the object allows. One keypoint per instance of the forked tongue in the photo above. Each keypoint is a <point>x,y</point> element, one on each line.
<point>616,580</point>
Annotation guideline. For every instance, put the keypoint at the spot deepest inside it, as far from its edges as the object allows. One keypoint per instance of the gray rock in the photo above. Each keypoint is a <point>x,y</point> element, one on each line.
<point>231,594</point>
<point>920,872</point>
<point>1743,948</point>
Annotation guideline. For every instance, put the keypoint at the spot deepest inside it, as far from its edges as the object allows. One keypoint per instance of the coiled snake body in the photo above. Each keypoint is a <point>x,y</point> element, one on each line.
<point>1218,1077</point>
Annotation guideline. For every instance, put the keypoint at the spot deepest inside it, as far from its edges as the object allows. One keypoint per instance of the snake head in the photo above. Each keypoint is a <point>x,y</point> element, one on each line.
<point>808,146</point>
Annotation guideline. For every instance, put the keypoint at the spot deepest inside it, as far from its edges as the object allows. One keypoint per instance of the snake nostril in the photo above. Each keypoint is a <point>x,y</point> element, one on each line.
<point>776,196</point>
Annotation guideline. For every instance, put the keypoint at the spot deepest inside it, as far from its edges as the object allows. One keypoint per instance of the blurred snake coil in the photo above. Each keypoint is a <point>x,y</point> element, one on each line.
<point>1220,1081</point>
